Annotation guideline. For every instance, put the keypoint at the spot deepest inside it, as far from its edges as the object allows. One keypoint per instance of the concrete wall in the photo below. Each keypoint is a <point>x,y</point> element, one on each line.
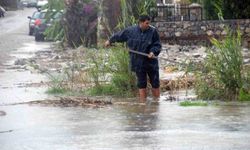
<point>199,32</point>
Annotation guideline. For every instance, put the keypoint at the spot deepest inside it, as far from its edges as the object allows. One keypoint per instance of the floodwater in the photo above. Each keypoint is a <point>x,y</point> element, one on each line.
<point>18,84</point>
<point>157,126</point>
<point>162,126</point>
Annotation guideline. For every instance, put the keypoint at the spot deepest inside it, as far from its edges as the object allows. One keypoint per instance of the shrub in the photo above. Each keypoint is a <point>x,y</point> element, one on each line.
<point>110,72</point>
<point>222,77</point>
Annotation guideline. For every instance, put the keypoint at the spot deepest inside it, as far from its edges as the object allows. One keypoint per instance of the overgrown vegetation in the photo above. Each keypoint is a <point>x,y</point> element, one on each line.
<point>95,72</point>
<point>77,26</point>
<point>223,74</point>
<point>109,71</point>
<point>125,15</point>
<point>122,80</point>
<point>55,32</point>
<point>131,10</point>
<point>57,84</point>
<point>55,10</point>
<point>80,19</point>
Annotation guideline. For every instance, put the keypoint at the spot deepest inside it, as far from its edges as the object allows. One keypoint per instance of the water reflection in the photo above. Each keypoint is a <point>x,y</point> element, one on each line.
<point>141,118</point>
<point>131,126</point>
<point>140,124</point>
<point>231,118</point>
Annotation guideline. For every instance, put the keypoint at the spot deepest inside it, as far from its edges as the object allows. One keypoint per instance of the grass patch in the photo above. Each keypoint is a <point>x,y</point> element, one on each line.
<point>193,103</point>
<point>244,96</point>
<point>100,90</point>
<point>110,67</point>
<point>54,90</point>
<point>108,90</point>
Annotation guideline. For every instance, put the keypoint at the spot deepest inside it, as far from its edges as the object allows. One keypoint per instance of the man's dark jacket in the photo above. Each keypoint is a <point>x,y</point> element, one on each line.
<point>143,41</point>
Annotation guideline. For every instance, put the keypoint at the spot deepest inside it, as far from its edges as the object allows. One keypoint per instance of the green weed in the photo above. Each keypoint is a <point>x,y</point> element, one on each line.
<point>193,103</point>
<point>222,75</point>
<point>56,90</point>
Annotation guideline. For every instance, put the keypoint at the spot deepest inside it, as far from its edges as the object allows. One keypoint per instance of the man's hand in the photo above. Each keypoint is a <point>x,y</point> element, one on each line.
<point>107,43</point>
<point>151,55</point>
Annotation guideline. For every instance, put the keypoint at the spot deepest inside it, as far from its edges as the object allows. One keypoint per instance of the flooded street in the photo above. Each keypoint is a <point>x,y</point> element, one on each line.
<point>18,84</point>
<point>21,81</point>
<point>162,126</point>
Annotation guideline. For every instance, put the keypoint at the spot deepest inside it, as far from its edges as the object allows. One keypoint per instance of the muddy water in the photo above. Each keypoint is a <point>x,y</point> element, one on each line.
<point>19,84</point>
<point>157,126</point>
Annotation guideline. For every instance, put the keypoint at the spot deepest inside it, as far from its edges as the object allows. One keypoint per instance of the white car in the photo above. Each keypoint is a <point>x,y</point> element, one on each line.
<point>41,3</point>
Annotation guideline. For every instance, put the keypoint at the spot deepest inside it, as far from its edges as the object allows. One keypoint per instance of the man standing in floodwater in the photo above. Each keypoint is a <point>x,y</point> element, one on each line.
<point>142,38</point>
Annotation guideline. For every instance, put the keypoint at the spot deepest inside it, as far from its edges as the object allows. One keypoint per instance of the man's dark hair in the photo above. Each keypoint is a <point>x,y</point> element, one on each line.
<point>143,18</point>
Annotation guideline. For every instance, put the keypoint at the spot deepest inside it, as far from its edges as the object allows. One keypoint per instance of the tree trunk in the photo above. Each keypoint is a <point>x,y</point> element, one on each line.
<point>110,15</point>
<point>80,23</point>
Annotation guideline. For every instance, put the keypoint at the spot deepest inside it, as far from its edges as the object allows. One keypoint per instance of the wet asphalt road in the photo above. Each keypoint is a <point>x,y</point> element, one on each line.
<point>15,43</point>
<point>163,126</point>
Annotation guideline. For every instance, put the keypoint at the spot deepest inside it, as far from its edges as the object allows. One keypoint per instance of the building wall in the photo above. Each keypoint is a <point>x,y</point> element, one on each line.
<point>199,32</point>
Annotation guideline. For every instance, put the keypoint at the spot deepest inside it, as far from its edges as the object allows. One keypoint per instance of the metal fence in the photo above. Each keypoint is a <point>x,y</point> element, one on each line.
<point>178,12</point>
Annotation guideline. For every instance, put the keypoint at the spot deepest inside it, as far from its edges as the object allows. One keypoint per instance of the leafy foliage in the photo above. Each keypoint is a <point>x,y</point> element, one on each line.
<point>57,84</point>
<point>230,9</point>
<point>122,79</point>
<point>55,31</point>
<point>236,9</point>
<point>222,75</point>
<point>110,72</point>
<point>130,12</point>
<point>55,4</point>
<point>244,95</point>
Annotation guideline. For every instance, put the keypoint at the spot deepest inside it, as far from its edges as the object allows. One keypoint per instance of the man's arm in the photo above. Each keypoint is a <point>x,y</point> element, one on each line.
<point>156,45</point>
<point>121,36</point>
